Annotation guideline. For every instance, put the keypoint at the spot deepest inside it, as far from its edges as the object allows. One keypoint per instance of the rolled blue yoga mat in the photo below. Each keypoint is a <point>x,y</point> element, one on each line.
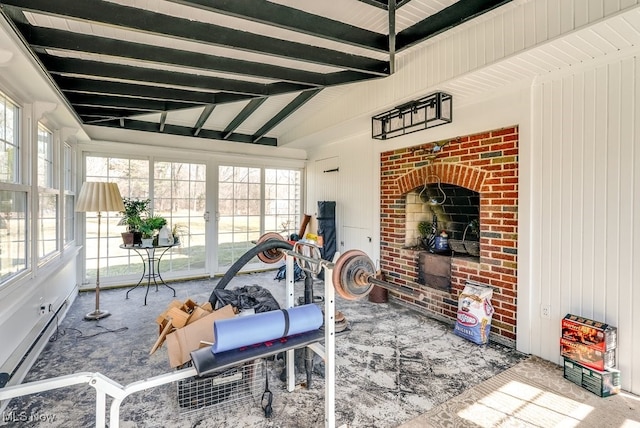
<point>248,330</point>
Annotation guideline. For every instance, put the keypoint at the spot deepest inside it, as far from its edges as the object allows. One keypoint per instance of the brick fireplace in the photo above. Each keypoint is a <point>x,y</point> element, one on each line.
<point>486,163</point>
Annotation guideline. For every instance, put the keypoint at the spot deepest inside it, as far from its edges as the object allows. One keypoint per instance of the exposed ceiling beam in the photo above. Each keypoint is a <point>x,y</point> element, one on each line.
<point>163,121</point>
<point>457,13</point>
<point>137,19</point>
<point>206,112</point>
<point>185,131</point>
<point>392,36</point>
<point>74,66</point>
<point>342,77</point>
<point>109,76</point>
<point>295,20</point>
<point>383,4</point>
<point>154,92</point>
<point>45,38</point>
<point>92,100</point>
<point>247,111</point>
<point>284,113</point>
<point>107,112</point>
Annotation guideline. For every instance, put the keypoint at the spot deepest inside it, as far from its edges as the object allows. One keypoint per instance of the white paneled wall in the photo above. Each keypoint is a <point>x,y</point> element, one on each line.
<point>585,207</point>
<point>355,193</point>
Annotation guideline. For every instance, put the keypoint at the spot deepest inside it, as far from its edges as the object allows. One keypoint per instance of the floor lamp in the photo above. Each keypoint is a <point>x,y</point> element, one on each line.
<point>99,197</point>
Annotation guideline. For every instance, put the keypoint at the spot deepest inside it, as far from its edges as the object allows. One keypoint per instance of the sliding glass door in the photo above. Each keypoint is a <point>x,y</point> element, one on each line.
<point>179,195</point>
<point>248,201</point>
<point>251,202</point>
<point>177,191</point>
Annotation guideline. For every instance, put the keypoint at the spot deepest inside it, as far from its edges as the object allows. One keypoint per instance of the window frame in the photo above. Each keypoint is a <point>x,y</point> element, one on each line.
<point>49,188</point>
<point>17,137</point>
<point>68,202</point>
<point>16,187</point>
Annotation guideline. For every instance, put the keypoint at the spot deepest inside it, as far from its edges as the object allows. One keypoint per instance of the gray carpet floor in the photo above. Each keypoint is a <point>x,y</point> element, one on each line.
<point>394,365</point>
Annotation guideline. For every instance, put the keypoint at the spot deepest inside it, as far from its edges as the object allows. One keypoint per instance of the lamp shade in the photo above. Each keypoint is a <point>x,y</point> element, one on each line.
<point>98,197</point>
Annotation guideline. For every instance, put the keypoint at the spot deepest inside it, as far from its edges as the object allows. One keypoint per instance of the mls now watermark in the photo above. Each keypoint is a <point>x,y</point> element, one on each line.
<point>27,417</point>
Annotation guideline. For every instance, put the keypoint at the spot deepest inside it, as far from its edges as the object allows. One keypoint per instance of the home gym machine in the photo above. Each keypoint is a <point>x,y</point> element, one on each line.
<point>352,275</point>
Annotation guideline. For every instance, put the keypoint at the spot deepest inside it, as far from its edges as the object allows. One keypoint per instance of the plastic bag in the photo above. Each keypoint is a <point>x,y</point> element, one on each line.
<point>248,297</point>
<point>473,320</point>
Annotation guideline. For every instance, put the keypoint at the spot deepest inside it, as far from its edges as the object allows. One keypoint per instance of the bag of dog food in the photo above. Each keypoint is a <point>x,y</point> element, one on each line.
<point>473,320</point>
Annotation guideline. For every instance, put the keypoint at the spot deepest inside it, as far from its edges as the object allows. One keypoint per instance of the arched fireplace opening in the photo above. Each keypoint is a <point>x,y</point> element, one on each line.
<point>444,207</point>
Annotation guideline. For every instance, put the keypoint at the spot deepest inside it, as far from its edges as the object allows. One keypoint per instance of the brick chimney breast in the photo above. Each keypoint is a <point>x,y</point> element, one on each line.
<point>475,170</point>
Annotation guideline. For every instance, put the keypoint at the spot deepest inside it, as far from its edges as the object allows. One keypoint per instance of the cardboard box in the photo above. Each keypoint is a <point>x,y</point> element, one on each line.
<point>601,383</point>
<point>177,315</point>
<point>182,341</point>
<point>587,355</point>
<point>595,334</point>
<point>181,313</point>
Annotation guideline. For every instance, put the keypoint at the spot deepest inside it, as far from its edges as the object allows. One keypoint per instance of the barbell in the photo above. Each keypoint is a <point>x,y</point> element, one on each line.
<point>354,273</point>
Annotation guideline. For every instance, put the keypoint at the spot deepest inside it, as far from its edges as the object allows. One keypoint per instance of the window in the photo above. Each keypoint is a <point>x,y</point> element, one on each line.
<point>45,157</point>
<point>246,195</point>
<point>9,153</point>
<point>239,197</point>
<point>178,193</point>
<point>47,220</point>
<point>132,177</point>
<point>69,195</point>
<point>13,233</point>
<point>282,200</point>
<point>13,196</point>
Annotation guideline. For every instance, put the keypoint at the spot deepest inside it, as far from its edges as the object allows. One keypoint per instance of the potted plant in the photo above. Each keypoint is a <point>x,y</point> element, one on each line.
<point>134,209</point>
<point>149,227</point>
<point>178,230</point>
<point>425,230</point>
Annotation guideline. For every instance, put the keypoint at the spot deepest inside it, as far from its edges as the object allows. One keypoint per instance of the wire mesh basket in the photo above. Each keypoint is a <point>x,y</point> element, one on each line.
<point>239,385</point>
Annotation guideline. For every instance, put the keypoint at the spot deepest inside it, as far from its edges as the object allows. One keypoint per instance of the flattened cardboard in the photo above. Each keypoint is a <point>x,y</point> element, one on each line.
<point>182,341</point>
<point>163,335</point>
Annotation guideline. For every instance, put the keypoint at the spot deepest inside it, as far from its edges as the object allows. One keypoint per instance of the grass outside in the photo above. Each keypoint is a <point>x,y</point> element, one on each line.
<point>182,259</point>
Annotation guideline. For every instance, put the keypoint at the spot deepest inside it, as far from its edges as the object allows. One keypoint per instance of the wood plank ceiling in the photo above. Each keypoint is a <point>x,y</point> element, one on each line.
<point>219,69</point>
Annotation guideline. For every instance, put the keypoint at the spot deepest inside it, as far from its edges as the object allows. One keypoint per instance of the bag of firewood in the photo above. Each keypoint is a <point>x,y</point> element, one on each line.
<point>473,320</point>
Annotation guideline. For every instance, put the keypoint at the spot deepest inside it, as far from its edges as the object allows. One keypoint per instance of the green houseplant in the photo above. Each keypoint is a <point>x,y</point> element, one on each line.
<point>425,231</point>
<point>134,209</point>
<point>150,226</point>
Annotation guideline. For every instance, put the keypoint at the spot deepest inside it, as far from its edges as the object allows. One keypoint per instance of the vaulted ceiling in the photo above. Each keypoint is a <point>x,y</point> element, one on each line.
<point>231,70</point>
